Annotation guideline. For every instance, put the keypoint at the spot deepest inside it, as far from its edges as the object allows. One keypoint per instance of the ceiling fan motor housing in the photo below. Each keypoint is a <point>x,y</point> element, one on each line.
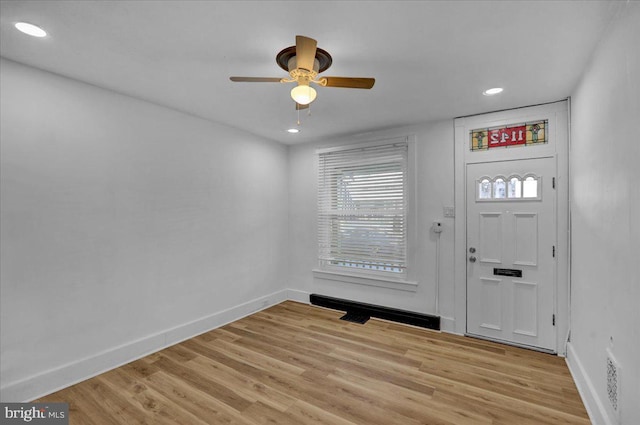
<point>301,75</point>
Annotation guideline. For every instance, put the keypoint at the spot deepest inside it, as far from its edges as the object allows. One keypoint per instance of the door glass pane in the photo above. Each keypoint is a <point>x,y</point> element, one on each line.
<point>484,189</point>
<point>530,188</point>
<point>514,188</point>
<point>499,189</point>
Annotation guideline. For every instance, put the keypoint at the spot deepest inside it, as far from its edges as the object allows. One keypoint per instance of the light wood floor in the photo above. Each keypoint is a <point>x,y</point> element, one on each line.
<point>297,364</point>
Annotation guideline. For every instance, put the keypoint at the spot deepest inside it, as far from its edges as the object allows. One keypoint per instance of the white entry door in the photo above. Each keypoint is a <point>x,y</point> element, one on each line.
<point>511,267</point>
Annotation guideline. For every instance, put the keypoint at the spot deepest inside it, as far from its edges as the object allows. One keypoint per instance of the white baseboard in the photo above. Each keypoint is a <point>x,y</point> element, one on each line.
<point>47,382</point>
<point>299,296</point>
<point>448,325</point>
<point>595,408</point>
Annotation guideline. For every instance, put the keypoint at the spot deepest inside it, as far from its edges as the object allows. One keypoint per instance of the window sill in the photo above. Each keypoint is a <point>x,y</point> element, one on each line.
<point>382,282</point>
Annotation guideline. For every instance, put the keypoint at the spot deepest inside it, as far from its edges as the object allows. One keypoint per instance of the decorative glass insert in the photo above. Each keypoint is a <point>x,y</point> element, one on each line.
<point>484,189</point>
<point>523,134</point>
<point>514,188</point>
<point>499,189</point>
<point>530,187</point>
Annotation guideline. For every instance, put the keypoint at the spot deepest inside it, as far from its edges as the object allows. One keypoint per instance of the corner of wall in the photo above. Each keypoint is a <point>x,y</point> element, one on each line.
<point>595,409</point>
<point>298,296</point>
<point>39,385</point>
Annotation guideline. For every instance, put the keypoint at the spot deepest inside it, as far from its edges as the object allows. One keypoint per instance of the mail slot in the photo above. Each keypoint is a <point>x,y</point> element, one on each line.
<point>507,272</point>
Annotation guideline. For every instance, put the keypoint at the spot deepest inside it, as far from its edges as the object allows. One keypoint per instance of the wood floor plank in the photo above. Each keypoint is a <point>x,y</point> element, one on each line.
<point>409,403</point>
<point>193,400</point>
<point>498,383</point>
<point>95,401</point>
<point>347,402</point>
<point>251,389</point>
<point>149,401</point>
<point>263,414</point>
<point>195,378</point>
<point>80,405</point>
<point>294,364</point>
<point>257,359</point>
<point>334,338</point>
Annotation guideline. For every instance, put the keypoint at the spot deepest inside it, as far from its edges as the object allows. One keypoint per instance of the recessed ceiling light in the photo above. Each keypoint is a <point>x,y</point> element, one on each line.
<point>491,92</point>
<point>293,130</point>
<point>30,29</point>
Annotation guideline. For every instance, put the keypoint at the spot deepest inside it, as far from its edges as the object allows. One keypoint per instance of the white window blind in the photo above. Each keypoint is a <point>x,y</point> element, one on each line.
<point>362,205</point>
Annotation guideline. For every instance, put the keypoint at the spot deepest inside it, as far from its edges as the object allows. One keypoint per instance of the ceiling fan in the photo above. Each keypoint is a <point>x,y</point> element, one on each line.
<point>304,62</point>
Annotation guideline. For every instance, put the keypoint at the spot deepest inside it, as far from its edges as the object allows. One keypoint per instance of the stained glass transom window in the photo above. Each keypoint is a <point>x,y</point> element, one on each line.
<point>523,134</point>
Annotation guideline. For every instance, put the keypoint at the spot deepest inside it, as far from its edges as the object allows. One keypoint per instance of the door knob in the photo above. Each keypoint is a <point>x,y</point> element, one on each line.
<point>472,259</point>
<point>472,250</point>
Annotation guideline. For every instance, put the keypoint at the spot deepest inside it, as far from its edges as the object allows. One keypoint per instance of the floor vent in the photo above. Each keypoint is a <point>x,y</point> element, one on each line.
<point>356,317</point>
<point>613,384</point>
<point>353,308</point>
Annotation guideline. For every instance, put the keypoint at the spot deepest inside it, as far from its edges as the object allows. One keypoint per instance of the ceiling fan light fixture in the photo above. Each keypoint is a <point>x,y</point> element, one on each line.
<point>303,94</point>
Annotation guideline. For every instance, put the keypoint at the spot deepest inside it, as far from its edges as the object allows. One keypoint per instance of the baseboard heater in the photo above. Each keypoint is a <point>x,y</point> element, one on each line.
<point>362,312</point>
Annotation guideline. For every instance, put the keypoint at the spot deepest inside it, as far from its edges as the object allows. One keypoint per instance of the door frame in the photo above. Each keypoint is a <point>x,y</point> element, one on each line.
<point>558,147</point>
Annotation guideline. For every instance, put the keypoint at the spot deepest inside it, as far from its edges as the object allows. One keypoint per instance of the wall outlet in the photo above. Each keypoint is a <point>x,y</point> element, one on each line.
<point>436,227</point>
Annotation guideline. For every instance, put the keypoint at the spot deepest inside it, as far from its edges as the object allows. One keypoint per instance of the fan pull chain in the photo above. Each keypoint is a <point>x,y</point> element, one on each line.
<point>308,113</point>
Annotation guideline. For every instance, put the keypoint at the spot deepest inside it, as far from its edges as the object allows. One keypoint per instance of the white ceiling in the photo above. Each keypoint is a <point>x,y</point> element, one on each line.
<point>431,60</point>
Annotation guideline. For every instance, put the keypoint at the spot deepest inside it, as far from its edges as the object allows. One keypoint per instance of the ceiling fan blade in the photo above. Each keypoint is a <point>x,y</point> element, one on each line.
<point>305,52</point>
<point>255,79</point>
<point>300,107</point>
<point>350,83</point>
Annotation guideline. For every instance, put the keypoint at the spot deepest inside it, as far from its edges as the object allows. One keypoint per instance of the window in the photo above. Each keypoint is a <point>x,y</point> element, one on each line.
<point>362,209</point>
<point>514,188</point>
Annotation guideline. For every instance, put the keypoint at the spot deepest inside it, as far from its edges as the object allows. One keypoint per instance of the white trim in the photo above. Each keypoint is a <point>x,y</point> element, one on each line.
<point>381,279</point>
<point>363,145</point>
<point>298,296</point>
<point>509,343</point>
<point>63,376</point>
<point>384,282</point>
<point>460,231</point>
<point>448,325</point>
<point>557,114</point>
<point>595,408</point>
<point>565,190</point>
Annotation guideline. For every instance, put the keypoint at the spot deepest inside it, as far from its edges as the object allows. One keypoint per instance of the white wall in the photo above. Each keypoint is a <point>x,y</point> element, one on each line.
<point>126,226</point>
<point>605,203</point>
<point>434,155</point>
